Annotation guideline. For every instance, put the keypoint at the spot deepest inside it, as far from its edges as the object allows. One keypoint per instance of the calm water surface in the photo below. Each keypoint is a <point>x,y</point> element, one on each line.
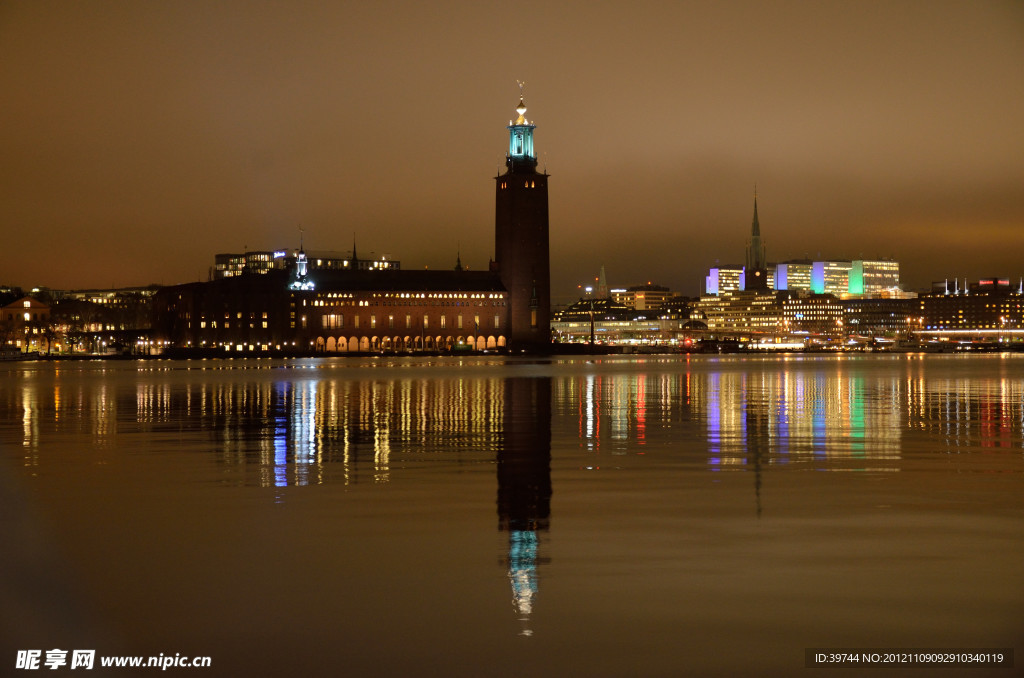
<point>489,516</point>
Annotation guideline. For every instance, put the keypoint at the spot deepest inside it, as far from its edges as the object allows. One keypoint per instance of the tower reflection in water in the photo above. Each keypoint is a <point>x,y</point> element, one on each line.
<point>524,485</point>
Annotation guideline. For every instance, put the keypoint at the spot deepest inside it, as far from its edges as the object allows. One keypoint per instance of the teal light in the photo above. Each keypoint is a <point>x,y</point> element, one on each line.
<point>818,277</point>
<point>520,142</point>
<point>856,284</point>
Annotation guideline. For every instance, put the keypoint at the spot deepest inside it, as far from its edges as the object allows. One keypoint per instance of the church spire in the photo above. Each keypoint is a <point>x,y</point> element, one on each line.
<point>756,228</point>
<point>755,274</point>
<point>602,285</point>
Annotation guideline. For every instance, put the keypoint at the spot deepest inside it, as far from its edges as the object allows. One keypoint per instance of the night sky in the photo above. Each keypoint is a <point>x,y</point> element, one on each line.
<point>139,138</point>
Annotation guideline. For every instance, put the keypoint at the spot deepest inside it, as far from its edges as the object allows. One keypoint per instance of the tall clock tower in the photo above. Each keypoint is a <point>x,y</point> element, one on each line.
<point>521,239</point>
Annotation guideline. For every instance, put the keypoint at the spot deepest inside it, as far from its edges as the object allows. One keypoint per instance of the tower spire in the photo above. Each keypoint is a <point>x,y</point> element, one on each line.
<point>602,285</point>
<point>755,274</point>
<point>301,281</point>
<point>756,227</point>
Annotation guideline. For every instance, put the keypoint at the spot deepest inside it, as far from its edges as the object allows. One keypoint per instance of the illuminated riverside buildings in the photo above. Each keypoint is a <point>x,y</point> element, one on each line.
<point>831,277</point>
<point>890,318</point>
<point>781,315</point>
<point>842,278</point>
<point>606,321</point>
<point>24,323</point>
<point>724,279</point>
<point>647,297</point>
<point>874,278</point>
<point>306,307</point>
<point>860,277</point>
<point>991,308</point>
<point>793,275</point>
<point>258,262</point>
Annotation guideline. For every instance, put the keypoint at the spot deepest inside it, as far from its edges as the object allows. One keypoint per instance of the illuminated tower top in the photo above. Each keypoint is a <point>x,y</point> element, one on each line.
<point>301,280</point>
<point>521,156</point>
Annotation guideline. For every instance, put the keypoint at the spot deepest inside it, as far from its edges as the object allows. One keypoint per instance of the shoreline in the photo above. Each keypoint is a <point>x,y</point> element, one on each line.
<point>556,350</point>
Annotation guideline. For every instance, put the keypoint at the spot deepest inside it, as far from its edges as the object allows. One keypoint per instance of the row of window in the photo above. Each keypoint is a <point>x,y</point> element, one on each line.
<point>25,317</point>
<point>426,302</point>
<point>337,321</point>
<point>227,325</point>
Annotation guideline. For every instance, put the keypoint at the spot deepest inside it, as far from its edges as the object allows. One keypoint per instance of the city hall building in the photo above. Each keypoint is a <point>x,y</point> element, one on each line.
<point>303,308</point>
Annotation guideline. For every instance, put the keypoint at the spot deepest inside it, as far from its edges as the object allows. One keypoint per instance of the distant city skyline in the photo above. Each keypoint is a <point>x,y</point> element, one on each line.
<point>139,140</point>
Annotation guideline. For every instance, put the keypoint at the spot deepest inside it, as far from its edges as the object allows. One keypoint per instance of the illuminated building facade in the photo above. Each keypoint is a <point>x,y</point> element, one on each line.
<point>749,313</point>
<point>880,317</point>
<point>723,279</point>
<point>874,278</point>
<point>123,298</point>
<point>743,312</point>
<point>870,278</point>
<point>811,314</point>
<point>831,277</point>
<point>344,312</point>
<point>991,307</point>
<point>24,323</point>
<point>232,265</point>
<point>793,275</point>
<point>727,279</point>
<point>307,304</point>
<point>647,297</point>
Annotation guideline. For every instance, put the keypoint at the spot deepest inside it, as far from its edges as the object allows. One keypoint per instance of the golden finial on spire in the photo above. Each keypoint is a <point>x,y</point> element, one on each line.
<point>521,108</point>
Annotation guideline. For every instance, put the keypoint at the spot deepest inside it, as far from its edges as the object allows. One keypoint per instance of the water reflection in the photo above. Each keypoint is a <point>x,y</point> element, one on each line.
<point>293,429</point>
<point>833,416</point>
<point>289,430</point>
<point>524,485</point>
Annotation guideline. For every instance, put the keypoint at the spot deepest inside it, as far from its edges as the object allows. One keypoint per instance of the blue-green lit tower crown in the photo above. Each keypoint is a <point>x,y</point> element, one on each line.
<point>520,142</point>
